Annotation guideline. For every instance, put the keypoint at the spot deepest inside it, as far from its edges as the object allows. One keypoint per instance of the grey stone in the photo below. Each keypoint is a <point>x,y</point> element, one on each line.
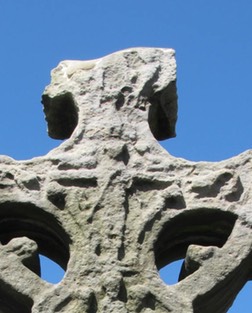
<point>111,206</point>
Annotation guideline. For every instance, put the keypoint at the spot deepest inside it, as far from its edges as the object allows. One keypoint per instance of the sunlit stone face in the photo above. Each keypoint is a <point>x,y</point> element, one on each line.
<point>111,207</point>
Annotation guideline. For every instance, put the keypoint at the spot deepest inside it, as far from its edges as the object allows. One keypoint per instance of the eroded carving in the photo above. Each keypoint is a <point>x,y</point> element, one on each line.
<point>112,207</point>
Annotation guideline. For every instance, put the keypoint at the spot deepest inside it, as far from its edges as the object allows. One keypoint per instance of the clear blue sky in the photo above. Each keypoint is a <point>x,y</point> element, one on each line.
<point>213,43</point>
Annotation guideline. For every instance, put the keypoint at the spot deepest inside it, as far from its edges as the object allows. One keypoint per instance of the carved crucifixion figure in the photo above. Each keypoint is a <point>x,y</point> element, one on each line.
<point>112,207</point>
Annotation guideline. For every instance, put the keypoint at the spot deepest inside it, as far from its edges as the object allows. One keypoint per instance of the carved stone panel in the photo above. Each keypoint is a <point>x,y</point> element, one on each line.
<point>112,207</point>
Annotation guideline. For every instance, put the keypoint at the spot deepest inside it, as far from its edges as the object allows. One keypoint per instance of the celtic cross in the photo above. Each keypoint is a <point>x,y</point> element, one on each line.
<point>112,207</point>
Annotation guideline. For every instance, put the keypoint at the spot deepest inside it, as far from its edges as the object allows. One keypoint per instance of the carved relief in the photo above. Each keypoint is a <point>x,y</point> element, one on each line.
<point>112,207</point>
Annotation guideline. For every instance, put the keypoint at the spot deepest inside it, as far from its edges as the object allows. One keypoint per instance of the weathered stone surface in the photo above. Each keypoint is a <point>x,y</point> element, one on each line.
<point>111,206</point>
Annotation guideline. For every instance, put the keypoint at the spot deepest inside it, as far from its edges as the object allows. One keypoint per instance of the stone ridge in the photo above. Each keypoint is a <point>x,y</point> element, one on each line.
<point>111,206</point>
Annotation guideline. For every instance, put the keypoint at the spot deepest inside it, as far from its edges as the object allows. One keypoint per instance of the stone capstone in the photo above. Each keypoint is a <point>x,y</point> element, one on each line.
<point>112,207</point>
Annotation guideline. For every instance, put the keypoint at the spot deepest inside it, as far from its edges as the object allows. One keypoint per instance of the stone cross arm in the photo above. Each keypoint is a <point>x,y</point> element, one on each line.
<point>112,207</point>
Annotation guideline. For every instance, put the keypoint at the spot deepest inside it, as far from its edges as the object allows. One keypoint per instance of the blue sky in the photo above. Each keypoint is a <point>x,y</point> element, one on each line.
<point>213,43</point>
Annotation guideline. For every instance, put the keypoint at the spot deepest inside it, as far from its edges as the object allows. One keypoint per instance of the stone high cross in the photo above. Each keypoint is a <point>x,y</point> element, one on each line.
<point>111,206</point>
